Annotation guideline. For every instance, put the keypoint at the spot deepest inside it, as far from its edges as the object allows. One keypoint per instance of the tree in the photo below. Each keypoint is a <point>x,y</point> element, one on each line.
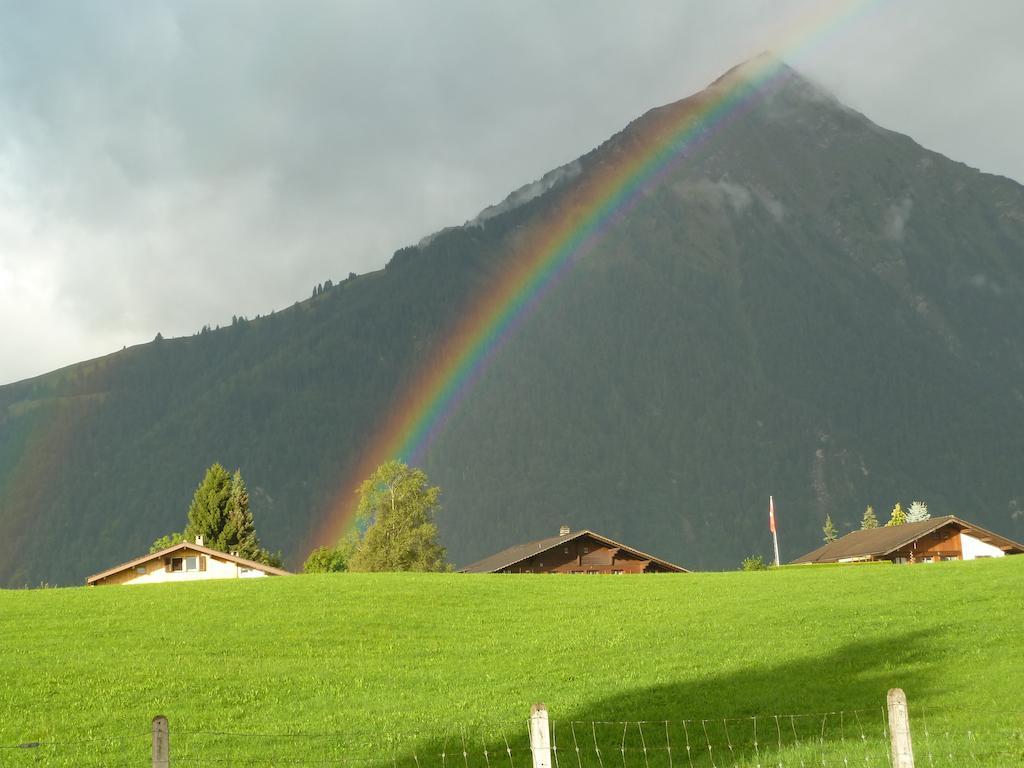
<point>917,512</point>
<point>239,533</point>
<point>829,530</point>
<point>327,560</point>
<point>754,563</point>
<point>397,507</point>
<point>208,512</point>
<point>167,541</point>
<point>898,517</point>
<point>220,513</point>
<point>869,520</point>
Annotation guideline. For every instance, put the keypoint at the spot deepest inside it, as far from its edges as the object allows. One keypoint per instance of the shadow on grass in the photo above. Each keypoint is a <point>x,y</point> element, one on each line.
<point>819,710</point>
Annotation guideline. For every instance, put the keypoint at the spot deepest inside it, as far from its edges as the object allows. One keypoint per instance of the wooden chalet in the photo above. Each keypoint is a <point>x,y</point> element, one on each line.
<point>573,552</point>
<point>929,541</point>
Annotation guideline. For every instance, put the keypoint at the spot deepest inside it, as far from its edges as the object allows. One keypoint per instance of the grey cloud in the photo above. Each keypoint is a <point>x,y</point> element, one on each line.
<point>154,152</point>
<point>716,193</point>
<point>896,217</point>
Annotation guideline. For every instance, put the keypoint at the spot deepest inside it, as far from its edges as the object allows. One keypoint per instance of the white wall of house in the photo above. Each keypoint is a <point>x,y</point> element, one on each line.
<point>973,548</point>
<point>153,571</point>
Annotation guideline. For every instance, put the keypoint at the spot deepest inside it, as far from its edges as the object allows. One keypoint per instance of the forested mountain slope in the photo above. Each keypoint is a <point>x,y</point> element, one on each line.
<point>809,306</point>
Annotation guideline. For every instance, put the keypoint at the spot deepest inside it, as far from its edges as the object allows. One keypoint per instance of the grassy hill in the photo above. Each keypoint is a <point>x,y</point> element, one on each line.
<point>372,669</point>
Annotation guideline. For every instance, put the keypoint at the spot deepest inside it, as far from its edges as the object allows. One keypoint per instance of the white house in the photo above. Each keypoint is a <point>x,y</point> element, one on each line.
<point>184,562</point>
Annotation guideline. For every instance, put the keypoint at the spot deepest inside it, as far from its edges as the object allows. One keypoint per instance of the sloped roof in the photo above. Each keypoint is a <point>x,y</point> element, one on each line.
<point>876,542</point>
<point>520,552</point>
<point>193,546</point>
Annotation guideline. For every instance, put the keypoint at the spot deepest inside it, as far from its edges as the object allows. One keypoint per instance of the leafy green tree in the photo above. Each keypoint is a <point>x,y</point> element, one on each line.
<point>917,512</point>
<point>898,517</point>
<point>754,563</point>
<point>397,506</point>
<point>166,541</point>
<point>327,560</point>
<point>829,530</point>
<point>869,520</point>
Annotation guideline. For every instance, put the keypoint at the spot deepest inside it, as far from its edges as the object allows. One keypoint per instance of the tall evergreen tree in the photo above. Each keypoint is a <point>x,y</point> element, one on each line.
<point>898,517</point>
<point>398,506</point>
<point>239,534</point>
<point>220,513</point>
<point>869,520</point>
<point>208,512</point>
<point>829,530</point>
<point>917,512</point>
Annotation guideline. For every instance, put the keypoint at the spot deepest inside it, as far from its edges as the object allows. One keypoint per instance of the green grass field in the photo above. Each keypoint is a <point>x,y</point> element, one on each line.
<point>394,670</point>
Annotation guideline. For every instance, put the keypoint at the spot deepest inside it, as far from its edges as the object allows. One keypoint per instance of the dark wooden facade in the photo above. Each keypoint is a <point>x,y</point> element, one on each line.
<point>943,544</point>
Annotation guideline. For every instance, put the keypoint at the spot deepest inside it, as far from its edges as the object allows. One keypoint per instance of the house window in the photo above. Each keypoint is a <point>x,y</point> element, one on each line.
<point>540,565</point>
<point>900,560</point>
<point>192,563</point>
<point>176,564</point>
<point>617,572</point>
<point>566,550</point>
<point>586,550</point>
<point>140,569</point>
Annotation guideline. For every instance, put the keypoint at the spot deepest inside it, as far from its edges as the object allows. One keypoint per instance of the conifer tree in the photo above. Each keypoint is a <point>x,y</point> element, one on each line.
<point>398,505</point>
<point>239,534</point>
<point>917,512</point>
<point>829,530</point>
<point>869,520</point>
<point>898,517</point>
<point>208,512</point>
<point>220,513</point>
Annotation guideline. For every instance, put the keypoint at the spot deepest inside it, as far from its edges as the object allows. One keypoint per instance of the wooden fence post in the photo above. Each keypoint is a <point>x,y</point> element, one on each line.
<point>540,736</point>
<point>161,743</point>
<point>899,729</point>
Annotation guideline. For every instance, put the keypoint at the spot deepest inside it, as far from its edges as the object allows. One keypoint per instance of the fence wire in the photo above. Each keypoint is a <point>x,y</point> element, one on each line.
<point>846,739</point>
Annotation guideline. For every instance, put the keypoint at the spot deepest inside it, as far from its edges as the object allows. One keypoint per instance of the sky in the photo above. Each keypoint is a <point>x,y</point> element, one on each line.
<point>166,165</point>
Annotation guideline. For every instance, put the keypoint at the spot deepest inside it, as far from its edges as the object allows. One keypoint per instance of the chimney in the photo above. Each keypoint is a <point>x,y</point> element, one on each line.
<point>199,540</point>
<point>564,531</point>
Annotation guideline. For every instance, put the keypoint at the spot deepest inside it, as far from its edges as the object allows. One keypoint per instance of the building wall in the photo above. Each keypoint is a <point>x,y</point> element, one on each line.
<point>584,556</point>
<point>943,544</point>
<point>974,548</point>
<point>156,573</point>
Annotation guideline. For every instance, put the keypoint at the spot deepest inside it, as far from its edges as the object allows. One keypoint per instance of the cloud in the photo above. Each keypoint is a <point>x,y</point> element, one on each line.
<point>983,282</point>
<point>718,194</point>
<point>896,217</point>
<point>737,197</point>
<point>165,165</point>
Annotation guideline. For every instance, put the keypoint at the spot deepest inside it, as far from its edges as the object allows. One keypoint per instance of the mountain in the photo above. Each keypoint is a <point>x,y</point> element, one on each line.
<point>809,305</point>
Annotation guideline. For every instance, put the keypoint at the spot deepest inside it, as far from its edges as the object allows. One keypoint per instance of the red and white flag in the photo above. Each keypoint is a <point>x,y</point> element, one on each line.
<point>771,514</point>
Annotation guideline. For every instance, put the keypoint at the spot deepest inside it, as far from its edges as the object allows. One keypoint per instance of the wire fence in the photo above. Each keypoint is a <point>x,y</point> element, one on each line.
<point>846,738</point>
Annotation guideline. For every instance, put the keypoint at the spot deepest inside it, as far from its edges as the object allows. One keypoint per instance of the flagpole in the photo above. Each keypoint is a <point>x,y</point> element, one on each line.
<point>771,524</point>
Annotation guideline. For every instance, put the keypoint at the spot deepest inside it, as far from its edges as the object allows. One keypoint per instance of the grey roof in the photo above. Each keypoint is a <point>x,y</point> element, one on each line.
<point>876,542</point>
<point>519,552</point>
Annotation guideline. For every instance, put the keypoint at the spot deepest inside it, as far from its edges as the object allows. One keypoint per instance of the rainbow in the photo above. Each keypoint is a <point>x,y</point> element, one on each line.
<point>545,257</point>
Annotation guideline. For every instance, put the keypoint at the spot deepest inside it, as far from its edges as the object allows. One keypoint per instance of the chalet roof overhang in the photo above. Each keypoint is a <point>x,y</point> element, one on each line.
<point>215,553</point>
<point>520,552</point>
<point>884,541</point>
